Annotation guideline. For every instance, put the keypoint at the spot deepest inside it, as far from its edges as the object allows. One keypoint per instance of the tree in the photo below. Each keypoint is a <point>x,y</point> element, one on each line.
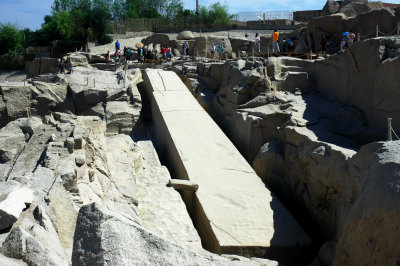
<point>218,14</point>
<point>10,38</point>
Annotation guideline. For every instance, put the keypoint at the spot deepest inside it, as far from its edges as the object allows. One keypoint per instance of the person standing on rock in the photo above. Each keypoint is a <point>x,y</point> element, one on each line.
<point>212,51</point>
<point>62,66</point>
<point>258,43</point>
<point>117,45</point>
<point>187,49</point>
<point>220,50</point>
<point>351,37</point>
<point>107,56</point>
<point>183,49</point>
<point>275,39</point>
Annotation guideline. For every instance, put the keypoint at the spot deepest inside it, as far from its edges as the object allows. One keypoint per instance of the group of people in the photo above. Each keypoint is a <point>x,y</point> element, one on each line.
<point>62,66</point>
<point>348,38</point>
<point>287,45</point>
<point>214,50</point>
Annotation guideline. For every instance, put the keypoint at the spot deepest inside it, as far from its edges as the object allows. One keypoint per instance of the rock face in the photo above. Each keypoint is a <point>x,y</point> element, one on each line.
<point>108,95</point>
<point>42,66</point>
<point>331,7</point>
<point>74,183</point>
<point>122,241</point>
<point>12,206</point>
<point>361,18</point>
<point>303,125</point>
<point>371,231</point>
<point>362,85</point>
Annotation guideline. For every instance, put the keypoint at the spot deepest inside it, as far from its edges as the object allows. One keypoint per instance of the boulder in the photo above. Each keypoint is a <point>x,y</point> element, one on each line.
<point>331,7</point>
<point>76,59</point>
<point>13,201</point>
<point>34,240</point>
<point>122,241</point>
<point>241,44</point>
<point>372,229</point>
<point>355,8</point>
<point>185,35</point>
<point>158,38</point>
<point>203,44</point>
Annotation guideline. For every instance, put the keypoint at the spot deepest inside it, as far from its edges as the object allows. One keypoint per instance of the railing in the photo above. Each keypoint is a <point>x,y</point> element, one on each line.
<point>391,131</point>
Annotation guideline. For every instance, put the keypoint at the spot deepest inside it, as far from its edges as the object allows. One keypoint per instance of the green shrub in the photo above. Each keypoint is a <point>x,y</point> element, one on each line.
<point>10,38</point>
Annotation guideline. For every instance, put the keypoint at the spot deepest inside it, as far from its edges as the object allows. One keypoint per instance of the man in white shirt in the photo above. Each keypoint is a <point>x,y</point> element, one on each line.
<point>258,43</point>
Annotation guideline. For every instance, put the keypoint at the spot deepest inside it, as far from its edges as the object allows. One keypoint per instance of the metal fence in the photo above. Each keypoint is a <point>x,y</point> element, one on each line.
<point>263,15</point>
<point>241,19</point>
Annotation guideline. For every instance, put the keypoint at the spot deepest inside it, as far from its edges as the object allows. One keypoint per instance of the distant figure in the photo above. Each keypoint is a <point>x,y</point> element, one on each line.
<point>107,56</point>
<point>258,43</point>
<point>345,39</point>
<point>61,66</point>
<point>116,56</point>
<point>168,53</point>
<point>183,49</point>
<point>117,45</point>
<point>70,69</point>
<point>140,53</point>
<point>220,50</point>
<point>125,52</point>
<point>351,37</point>
<point>163,52</point>
<point>290,44</point>
<point>212,51</point>
<point>128,54</point>
<point>187,49</point>
<point>323,43</point>
<point>284,45</point>
<point>275,39</point>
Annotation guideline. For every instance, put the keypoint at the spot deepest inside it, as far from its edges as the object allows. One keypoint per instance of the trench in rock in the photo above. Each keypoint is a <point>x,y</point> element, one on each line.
<point>188,198</point>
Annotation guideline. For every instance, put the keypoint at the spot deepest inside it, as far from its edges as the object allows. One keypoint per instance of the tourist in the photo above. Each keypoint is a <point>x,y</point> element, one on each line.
<point>139,52</point>
<point>220,51</point>
<point>351,37</point>
<point>116,56</point>
<point>70,69</point>
<point>62,66</point>
<point>275,39</point>
<point>290,44</point>
<point>258,43</point>
<point>212,50</point>
<point>107,56</point>
<point>284,45</point>
<point>344,42</point>
<point>117,45</point>
<point>187,49</point>
<point>128,54</point>
<point>183,49</point>
<point>168,53</point>
<point>164,53</point>
<point>323,43</point>
<point>125,52</point>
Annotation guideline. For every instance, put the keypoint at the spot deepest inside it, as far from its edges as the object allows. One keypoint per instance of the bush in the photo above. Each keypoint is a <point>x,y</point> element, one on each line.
<point>10,39</point>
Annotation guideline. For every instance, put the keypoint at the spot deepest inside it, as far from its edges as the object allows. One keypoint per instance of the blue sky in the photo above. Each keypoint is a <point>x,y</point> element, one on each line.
<point>30,13</point>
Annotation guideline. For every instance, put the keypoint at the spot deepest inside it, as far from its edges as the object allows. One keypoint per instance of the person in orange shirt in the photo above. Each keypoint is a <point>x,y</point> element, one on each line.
<point>275,38</point>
